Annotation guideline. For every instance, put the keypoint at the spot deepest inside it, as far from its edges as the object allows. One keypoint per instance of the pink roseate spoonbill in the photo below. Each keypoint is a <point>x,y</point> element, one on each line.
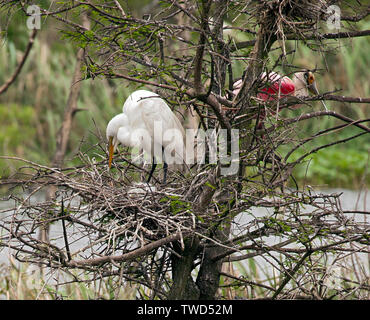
<point>144,112</point>
<point>282,86</point>
<point>279,86</point>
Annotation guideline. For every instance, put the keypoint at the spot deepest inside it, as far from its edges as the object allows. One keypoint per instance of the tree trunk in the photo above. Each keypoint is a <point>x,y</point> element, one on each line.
<point>209,273</point>
<point>183,286</point>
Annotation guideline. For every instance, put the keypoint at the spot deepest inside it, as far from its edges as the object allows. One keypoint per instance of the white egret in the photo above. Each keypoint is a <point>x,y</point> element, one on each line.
<point>147,122</point>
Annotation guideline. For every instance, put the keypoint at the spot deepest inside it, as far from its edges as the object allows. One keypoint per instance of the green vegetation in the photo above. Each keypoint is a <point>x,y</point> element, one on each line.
<point>257,280</point>
<point>336,166</point>
<point>22,282</point>
<point>17,123</point>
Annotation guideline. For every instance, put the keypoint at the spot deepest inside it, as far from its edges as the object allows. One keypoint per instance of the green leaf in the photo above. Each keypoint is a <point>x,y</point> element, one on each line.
<point>210,185</point>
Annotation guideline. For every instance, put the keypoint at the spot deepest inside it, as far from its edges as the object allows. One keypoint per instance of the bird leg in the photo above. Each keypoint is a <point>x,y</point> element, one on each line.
<point>165,167</point>
<point>154,165</point>
<point>152,170</point>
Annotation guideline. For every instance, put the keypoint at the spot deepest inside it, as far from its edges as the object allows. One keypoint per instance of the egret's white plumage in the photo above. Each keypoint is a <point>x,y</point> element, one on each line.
<point>148,122</point>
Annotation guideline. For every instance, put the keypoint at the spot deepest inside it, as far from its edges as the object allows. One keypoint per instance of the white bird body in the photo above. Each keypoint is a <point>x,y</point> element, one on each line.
<point>147,122</point>
<point>147,110</point>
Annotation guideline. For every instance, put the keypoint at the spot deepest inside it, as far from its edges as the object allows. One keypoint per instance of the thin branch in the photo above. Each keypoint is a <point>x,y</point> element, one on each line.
<point>245,282</point>
<point>198,59</point>
<point>128,256</point>
<point>312,36</point>
<point>338,98</point>
<point>65,236</point>
<point>289,274</point>
<point>300,159</point>
<point>357,17</point>
<point>120,8</point>
<point>320,133</point>
<point>325,113</point>
<point>17,71</point>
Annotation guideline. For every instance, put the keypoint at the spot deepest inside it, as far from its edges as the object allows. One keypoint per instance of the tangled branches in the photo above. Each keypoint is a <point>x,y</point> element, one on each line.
<point>111,226</point>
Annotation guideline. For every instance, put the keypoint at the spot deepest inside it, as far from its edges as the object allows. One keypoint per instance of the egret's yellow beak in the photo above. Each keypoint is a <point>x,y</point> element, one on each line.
<point>111,150</point>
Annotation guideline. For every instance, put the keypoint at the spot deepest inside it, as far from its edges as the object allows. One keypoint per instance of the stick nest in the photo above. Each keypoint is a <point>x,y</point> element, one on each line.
<point>108,206</point>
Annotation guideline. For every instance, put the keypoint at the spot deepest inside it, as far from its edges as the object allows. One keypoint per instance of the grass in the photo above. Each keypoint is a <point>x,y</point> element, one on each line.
<point>21,281</point>
<point>321,279</point>
<point>335,167</point>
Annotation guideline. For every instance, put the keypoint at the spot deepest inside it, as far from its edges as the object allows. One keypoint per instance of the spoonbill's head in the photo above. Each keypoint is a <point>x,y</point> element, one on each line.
<point>307,83</point>
<point>310,81</point>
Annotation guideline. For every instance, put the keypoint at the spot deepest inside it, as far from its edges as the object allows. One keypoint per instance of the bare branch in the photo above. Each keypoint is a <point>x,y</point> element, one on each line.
<point>127,256</point>
<point>311,36</point>
<point>338,98</point>
<point>17,71</point>
<point>327,113</point>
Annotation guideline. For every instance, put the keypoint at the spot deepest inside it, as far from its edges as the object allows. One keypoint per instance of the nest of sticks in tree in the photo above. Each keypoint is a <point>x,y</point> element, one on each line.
<point>294,10</point>
<point>108,206</point>
<point>284,17</point>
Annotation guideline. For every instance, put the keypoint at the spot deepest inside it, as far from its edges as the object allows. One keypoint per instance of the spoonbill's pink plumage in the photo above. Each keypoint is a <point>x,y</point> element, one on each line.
<point>277,87</point>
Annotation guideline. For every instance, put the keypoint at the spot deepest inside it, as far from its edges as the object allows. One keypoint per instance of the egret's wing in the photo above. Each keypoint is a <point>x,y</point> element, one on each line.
<point>132,102</point>
<point>155,109</point>
<point>147,111</point>
<point>165,128</point>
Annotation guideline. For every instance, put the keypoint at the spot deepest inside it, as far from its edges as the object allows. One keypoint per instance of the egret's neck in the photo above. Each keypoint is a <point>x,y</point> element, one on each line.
<point>124,136</point>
